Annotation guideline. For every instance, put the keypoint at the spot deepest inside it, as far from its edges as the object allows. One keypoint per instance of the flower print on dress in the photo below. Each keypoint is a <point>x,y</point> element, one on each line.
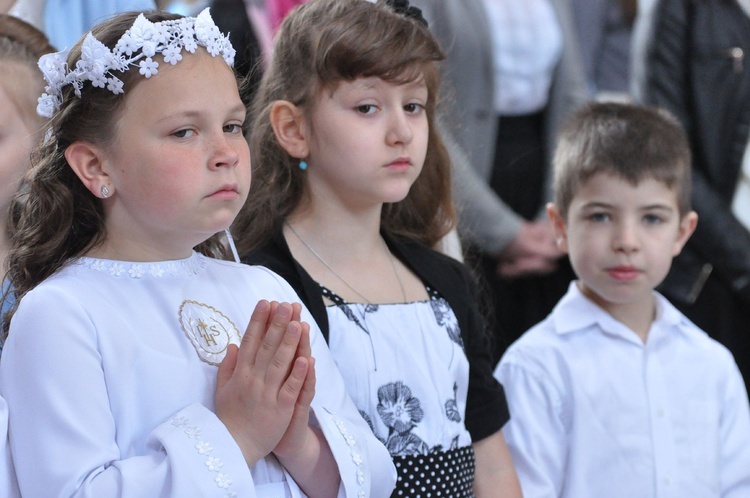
<point>447,319</point>
<point>349,312</point>
<point>400,412</point>
<point>451,407</point>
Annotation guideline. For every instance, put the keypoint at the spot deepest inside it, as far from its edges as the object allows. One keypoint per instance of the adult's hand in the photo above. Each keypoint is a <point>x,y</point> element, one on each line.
<point>532,252</point>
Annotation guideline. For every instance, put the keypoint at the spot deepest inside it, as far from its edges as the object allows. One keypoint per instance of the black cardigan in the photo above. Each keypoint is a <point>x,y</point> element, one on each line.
<point>486,408</point>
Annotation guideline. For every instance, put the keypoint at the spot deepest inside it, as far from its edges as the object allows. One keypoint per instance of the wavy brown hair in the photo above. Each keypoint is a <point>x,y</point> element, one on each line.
<point>54,217</point>
<point>320,44</point>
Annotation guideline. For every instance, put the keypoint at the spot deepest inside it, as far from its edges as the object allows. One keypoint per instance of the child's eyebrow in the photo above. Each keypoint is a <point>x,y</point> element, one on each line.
<point>607,205</point>
<point>597,205</point>
<point>663,207</point>
<point>194,113</point>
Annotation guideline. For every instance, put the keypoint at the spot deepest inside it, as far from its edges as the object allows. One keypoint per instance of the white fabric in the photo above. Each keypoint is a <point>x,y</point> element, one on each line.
<point>109,397</point>
<point>527,45</point>
<point>8,484</point>
<point>595,412</point>
<point>417,345</point>
<point>745,5</point>
<point>741,199</point>
<point>639,45</point>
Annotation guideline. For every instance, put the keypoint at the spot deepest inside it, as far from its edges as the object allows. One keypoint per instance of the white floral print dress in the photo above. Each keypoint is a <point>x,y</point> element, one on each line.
<point>405,368</point>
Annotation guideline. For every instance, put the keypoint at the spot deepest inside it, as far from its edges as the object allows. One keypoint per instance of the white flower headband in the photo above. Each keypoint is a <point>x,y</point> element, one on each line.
<point>137,46</point>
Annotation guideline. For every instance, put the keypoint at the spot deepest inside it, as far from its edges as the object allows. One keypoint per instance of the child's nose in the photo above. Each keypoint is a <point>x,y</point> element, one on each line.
<point>400,130</point>
<point>223,152</point>
<point>627,238</point>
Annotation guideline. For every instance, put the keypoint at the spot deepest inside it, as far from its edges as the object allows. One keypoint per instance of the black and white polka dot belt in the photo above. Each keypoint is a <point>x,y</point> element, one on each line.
<point>436,474</point>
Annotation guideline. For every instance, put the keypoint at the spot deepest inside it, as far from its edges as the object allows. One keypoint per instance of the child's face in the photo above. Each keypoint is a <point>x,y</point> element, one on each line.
<point>16,141</point>
<point>621,238</point>
<point>179,164</point>
<point>367,142</point>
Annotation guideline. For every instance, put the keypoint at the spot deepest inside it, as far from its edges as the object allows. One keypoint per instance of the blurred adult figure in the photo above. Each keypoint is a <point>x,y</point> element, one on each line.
<point>604,30</point>
<point>514,74</point>
<point>696,68</point>
<point>64,21</point>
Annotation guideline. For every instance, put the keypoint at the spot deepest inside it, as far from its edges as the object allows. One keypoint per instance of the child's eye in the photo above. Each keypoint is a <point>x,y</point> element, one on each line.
<point>599,217</point>
<point>184,133</point>
<point>233,128</point>
<point>653,219</point>
<point>366,109</point>
<point>413,108</point>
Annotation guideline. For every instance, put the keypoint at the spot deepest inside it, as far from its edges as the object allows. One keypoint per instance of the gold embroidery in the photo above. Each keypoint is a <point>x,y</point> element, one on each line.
<point>209,330</point>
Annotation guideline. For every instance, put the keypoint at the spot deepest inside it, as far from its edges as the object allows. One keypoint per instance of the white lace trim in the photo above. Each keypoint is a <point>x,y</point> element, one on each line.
<point>204,448</point>
<point>353,451</point>
<point>189,267</point>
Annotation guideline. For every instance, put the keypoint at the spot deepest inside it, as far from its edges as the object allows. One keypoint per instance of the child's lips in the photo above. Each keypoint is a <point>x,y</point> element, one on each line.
<point>623,273</point>
<point>402,163</point>
<point>229,191</point>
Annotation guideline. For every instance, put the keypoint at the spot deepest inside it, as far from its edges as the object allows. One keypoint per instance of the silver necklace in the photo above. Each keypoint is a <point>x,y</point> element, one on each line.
<point>320,258</point>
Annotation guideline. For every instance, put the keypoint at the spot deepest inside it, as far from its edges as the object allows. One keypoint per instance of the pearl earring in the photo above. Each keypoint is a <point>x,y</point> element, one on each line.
<point>105,191</point>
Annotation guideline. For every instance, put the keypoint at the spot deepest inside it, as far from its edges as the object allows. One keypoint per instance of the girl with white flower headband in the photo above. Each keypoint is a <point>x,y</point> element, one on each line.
<point>351,189</point>
<point>128,370</point>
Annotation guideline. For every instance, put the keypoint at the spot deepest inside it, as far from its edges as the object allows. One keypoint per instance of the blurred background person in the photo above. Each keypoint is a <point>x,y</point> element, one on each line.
<point>696,68</point>
<point>21,83</point>
<point>514,74</point>
<point>64,21</point>
<point>604,29</point>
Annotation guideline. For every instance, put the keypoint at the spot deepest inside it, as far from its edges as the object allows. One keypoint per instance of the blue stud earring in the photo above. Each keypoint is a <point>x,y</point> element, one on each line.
<point>303,165</point>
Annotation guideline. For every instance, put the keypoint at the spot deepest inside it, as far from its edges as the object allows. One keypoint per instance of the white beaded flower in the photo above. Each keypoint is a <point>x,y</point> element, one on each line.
<point>137,47</point>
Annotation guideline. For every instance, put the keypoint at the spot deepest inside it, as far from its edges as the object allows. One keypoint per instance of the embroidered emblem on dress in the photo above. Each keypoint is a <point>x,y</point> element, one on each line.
<point>209,330</point>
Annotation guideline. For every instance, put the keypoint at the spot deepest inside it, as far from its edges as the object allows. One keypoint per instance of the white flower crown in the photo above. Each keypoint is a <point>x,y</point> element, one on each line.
<point>137,46</point>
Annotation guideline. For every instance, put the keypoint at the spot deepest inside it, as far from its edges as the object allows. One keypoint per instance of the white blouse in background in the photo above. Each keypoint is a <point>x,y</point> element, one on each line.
<point>527,45</point>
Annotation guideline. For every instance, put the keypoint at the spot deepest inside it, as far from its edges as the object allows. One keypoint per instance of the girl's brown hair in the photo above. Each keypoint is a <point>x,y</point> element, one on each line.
<point>54,218</point>
<point>320,44</point>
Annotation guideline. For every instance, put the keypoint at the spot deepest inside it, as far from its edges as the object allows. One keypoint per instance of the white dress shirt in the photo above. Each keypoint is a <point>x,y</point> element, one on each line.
<point>596,413</point>
<point>109,372</point>
<point>527,45</point>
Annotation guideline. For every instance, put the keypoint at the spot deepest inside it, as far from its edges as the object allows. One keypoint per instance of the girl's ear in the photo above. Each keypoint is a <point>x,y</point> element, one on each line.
<point>288,124</point>
<point>558,226</point>
<point>85,160</point>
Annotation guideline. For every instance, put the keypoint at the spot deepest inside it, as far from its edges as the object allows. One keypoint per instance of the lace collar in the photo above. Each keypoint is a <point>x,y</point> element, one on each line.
<point>189,267</point>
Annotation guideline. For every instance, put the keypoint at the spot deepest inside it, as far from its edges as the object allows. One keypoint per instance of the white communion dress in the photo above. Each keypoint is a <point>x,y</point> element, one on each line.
<point>110,370</point>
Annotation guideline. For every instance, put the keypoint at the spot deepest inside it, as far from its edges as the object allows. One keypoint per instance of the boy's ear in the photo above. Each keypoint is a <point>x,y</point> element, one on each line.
<point>558,226</point>
<point>86,161</point>
<point>288,125</point>
<point>685,230</point>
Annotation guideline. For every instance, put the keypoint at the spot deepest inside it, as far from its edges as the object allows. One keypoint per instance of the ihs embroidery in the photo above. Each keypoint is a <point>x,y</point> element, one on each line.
<point>209,330</point>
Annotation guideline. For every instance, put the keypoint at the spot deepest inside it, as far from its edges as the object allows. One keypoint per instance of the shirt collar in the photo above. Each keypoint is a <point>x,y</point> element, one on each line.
<point>575,312</point>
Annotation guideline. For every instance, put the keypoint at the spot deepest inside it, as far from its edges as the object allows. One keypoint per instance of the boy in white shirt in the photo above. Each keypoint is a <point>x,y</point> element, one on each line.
<point>616,393</point>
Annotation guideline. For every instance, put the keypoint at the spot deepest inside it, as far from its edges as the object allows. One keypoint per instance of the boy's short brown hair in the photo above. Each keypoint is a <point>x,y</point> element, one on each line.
<point>630,141</point>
